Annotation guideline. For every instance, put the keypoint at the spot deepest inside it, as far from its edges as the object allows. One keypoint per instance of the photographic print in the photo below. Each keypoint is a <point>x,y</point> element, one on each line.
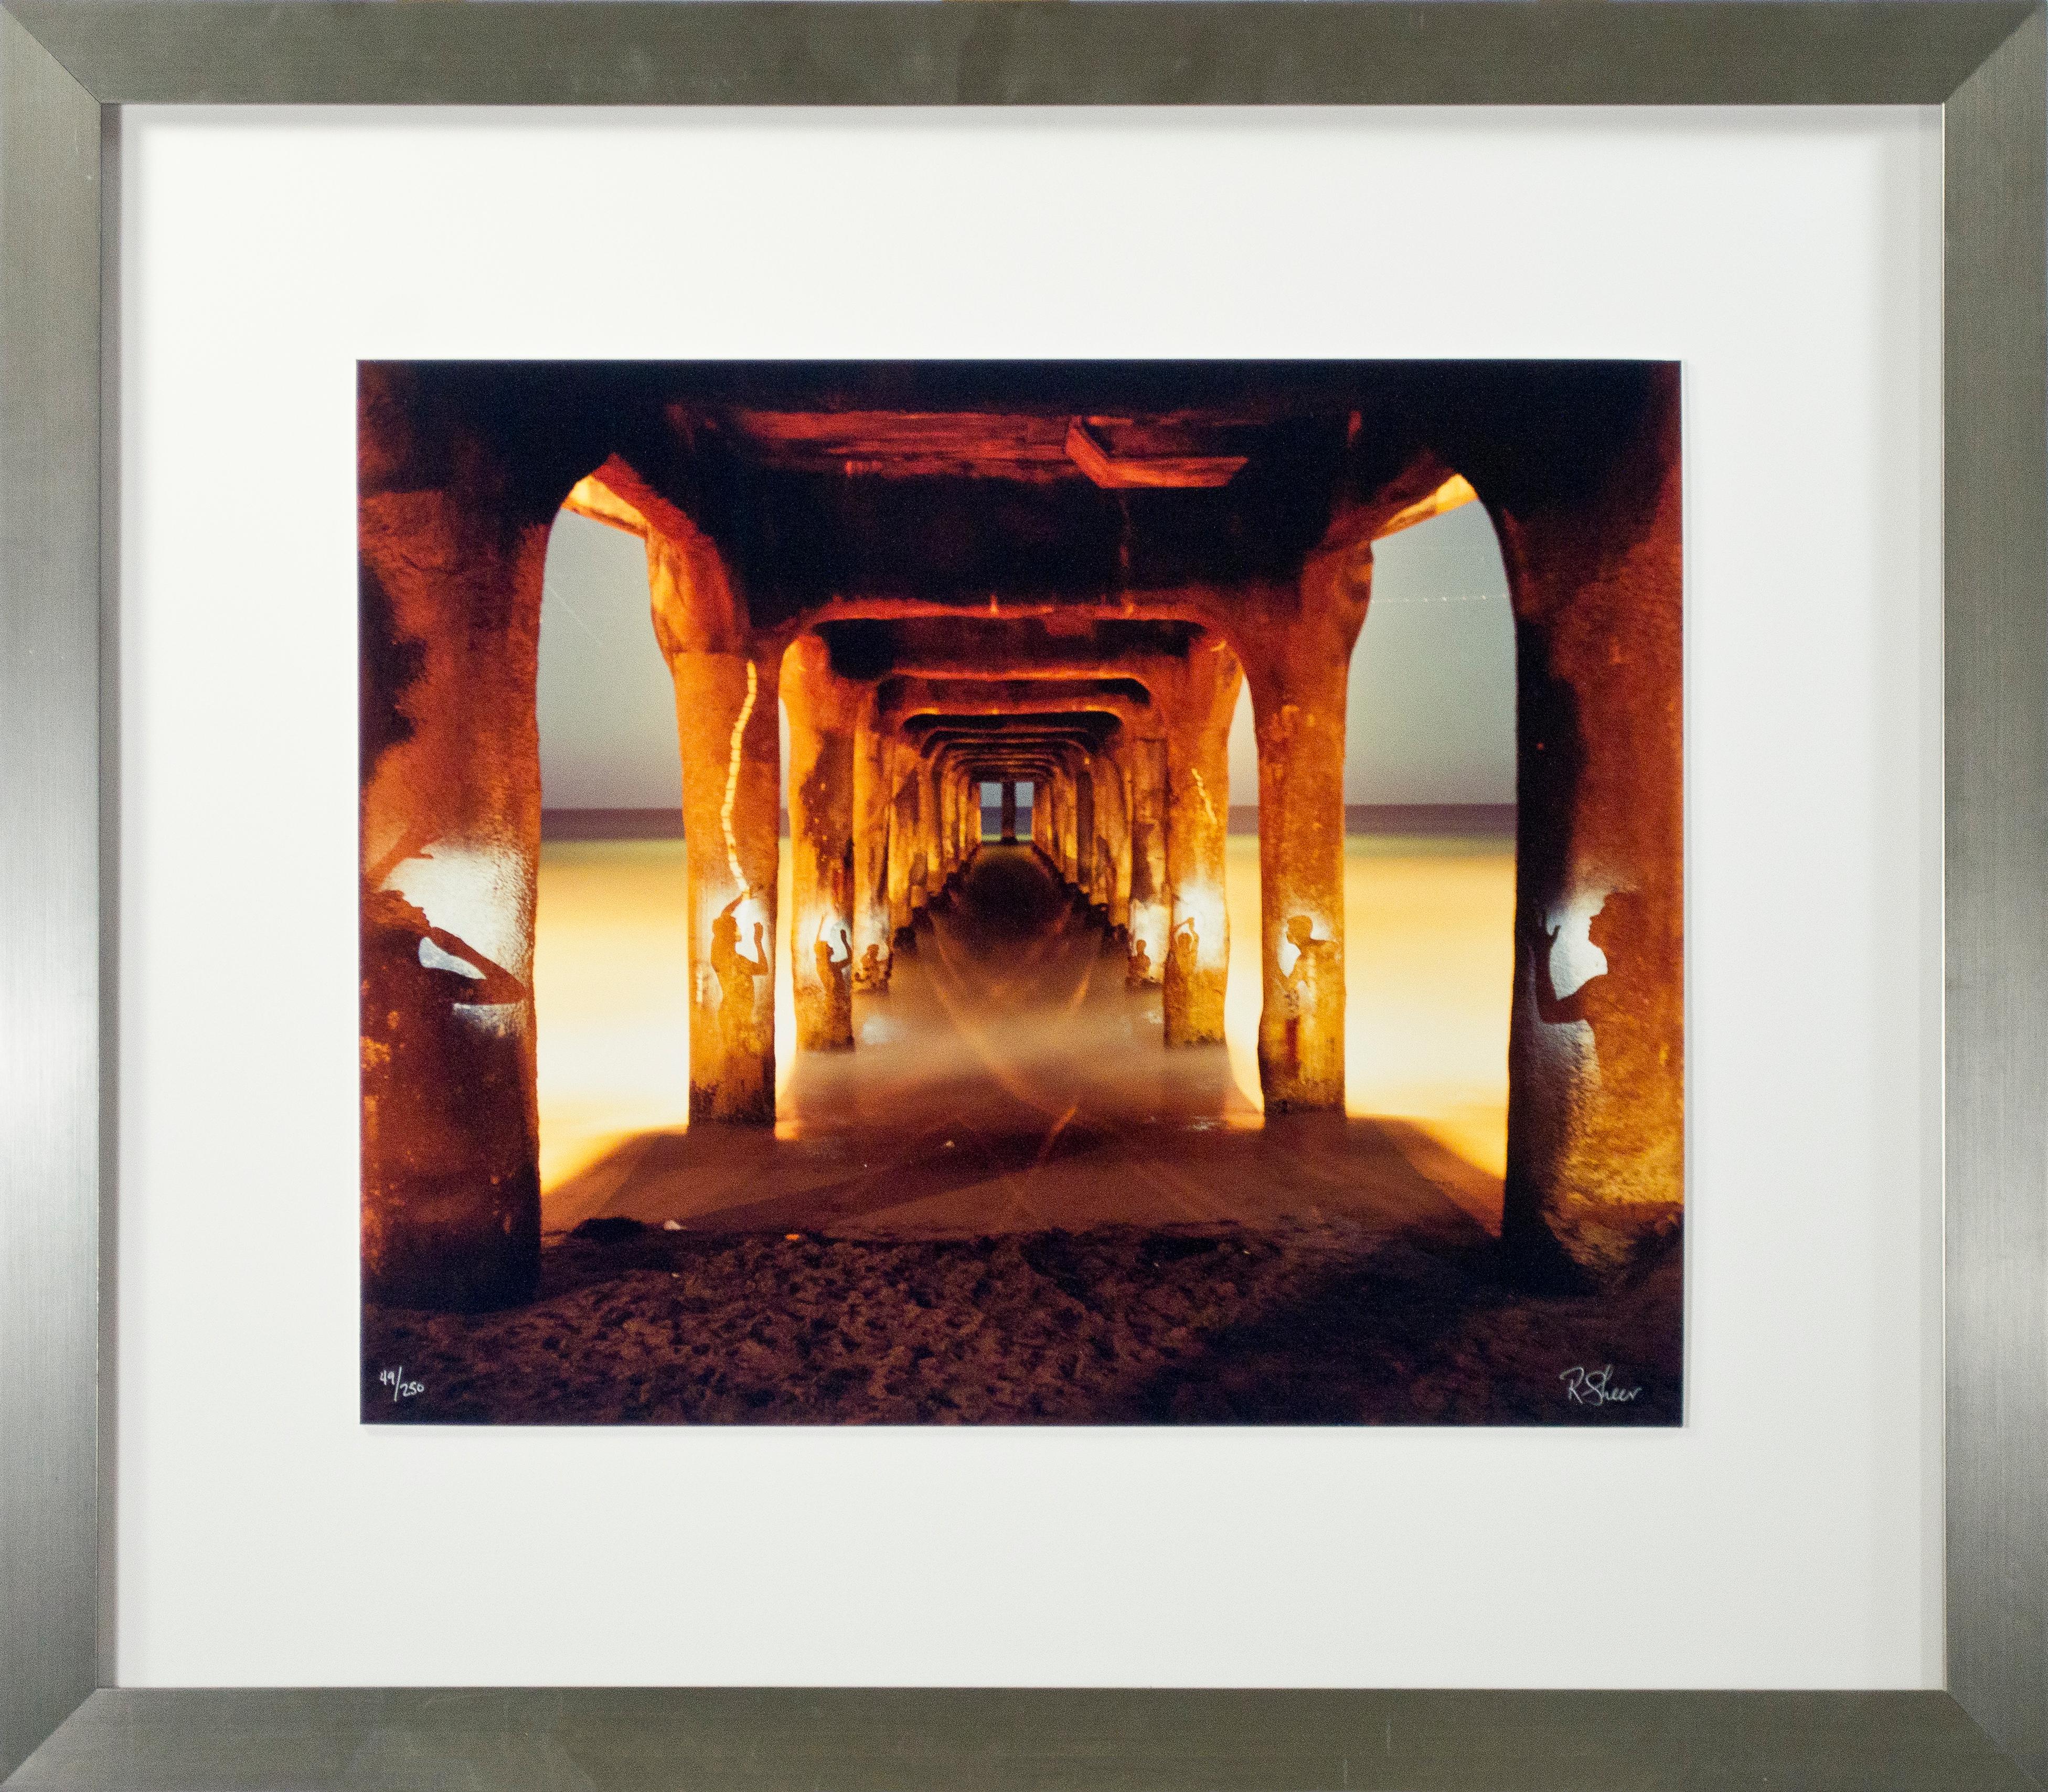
<point>1094,893</point>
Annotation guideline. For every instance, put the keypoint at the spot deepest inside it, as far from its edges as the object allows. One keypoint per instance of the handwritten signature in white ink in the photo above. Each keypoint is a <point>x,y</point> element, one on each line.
<point>1595,1387</point>
<point>401,1388</point>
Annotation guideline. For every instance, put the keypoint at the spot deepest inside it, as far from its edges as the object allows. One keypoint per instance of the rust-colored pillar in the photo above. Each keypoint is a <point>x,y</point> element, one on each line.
<point>1151,900</point>
<point>871,928</point>
<point>1069,788</point>
<point>946,781</point>
<point>451,833</point>
<point>726,719</point>
<point>1298,666</point>
<point>1009,811</point>
<point>824,711</point>
<point>952,818</point>
<point>1113,836</point>
<point>1197,828</point>
<point>1085,878</point>
<point>905,877</point>
<point>955,821</point>
<point>1596,1122</point>
<point>1076,845</point>
<point>924,872</point>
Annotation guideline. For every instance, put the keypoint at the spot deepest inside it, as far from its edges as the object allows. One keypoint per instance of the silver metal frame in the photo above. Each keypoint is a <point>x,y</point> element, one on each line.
<point>67,66</point>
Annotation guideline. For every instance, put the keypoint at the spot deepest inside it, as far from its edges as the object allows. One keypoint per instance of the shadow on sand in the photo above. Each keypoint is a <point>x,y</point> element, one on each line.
<point>1301,1325</point>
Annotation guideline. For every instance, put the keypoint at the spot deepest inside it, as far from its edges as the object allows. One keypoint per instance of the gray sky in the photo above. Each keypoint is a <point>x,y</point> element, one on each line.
<point>1431,717</point>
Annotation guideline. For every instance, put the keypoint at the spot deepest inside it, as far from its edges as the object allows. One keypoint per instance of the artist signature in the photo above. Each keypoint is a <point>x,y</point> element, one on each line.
<point>401,1388</point>
<point>1595,1387</point>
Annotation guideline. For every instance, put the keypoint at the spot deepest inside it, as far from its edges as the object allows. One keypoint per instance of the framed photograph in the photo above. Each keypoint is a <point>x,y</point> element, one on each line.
<point>906,847</point>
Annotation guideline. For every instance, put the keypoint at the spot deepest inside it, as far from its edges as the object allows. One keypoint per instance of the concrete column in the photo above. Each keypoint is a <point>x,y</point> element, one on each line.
<point>1597,1056</point>
<point>726,718</point>
<point>1113,836</point>
<point>1197,825</point>
<point>1298,670</point>
<point>1009,811</point>
<point>871,928</point>
<point>924,877</point>
<point>1069,812</point>
<point>824,711</point>
<point>904,874</point>
<point>450,834</point>
<point>1070,845</point>
<point>1151,899</point>
<point>952,818</point>
<point>1085,853</point>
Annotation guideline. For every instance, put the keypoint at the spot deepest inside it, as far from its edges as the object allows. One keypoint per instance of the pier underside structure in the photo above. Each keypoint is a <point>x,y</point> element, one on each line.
<point>1052,579</point>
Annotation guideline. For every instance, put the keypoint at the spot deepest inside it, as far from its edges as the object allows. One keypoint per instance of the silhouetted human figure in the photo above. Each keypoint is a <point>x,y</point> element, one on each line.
<point>1618,931</point>
<point>1183,951</point>
<point>429,1067</point>
<point>495,986</point>
<point>833,972</point>
<point>874,973</point>
<point>835,979</point>
<point>444,1082</point>
<point>736,973</point>
<point>1314,976</point>
<point>395,921</point>
<point>1137,967</point>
